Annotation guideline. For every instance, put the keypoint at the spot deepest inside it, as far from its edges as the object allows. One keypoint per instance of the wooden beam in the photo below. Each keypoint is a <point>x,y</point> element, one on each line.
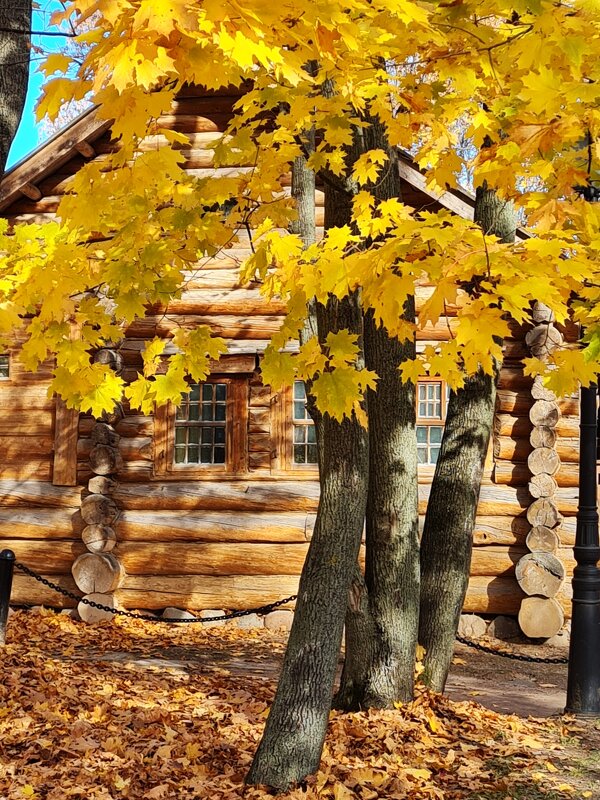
<point>65,445</point>
<point>85,149</point>
<point>31,191</point>
<point>51,155</point>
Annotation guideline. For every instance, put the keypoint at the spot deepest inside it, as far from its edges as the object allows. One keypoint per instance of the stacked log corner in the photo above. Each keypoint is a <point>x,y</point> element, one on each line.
<point>98,572</point>
<point>540,573</point>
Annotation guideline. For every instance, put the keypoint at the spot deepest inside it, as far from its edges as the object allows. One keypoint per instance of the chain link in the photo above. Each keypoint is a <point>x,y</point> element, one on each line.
<point>506,654</point>
<point>132,615</point>
<point>259,610</point>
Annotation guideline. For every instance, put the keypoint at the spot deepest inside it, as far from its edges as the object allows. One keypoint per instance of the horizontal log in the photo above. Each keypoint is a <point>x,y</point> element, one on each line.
<point>38,494</point>
<point>98,509</point>
<point>544,539</point>
<point>259,463</point>
<point>28,469</point>
<point>269,495</point>
<point>135,448</point>
<point>514,379</point>
<point>130,426</point>
<point>259,443</point>
<point>521,427</point>
<point>46,557</point>
<point>541,617</point>
<point>97,572</point>
<point>210,526</point>
<point>239,302</point>
<point>27,591</point>
<point>542,436</point>
<point>507,448</point>
<point>543,511</point>
<point>40,523</point>
<point>507,473</point>
<point>39,424</point>
<point>259,420</point>
<point>519,403</point>
<point>544,412</point>
<point>543,461</point>
<point>542,485</point>
<point>31,397</point>
<point>226,325</point>
<point>484,595</point>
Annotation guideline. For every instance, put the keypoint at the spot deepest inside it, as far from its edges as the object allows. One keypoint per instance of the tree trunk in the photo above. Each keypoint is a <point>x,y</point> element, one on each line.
<point>447,535</point>
<point>14,69</point>
<point>295,731</point>
<point>448,531</point>
<point>382,617</point>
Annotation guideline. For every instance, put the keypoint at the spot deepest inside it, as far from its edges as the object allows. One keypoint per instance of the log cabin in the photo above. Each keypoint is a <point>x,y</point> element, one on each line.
<point>212,505</point>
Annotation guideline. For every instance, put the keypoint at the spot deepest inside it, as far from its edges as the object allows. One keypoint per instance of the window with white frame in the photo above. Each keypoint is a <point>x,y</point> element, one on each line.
<point>304,433</point>
<point>201,425</point>
<point>431,415</point>
<point>4,365</point>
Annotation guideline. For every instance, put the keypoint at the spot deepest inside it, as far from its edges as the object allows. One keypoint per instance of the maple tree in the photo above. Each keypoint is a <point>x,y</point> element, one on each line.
<point>521,78</point>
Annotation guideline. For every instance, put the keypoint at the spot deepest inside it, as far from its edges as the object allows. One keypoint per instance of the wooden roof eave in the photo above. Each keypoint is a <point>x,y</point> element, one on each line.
<point>49,156</point>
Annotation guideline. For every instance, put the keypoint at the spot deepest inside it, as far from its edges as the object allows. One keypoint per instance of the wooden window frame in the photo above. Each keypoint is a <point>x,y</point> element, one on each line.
<point>236,437</point>
<point>7,357</point>
<point>431,422</point>
<point>283,444</point>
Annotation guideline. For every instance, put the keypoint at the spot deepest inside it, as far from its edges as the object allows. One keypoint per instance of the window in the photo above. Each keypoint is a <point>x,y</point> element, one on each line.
<point>304,433</point>
<point>4,366</point>
<point>201,425</point>
<point>207,433</point>
<point>431,413</point>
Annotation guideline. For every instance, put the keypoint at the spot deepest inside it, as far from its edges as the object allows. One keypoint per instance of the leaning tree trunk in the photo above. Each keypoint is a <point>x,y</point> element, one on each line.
<point>383,609</point>
<point>15,27</point>
<point>448,532</point>
<point>295,730</point>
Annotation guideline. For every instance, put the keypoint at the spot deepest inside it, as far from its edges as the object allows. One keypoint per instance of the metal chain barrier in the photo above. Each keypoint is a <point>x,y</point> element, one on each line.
<point>132,615</point>
<point>506,654</point>
<point>259,610</point>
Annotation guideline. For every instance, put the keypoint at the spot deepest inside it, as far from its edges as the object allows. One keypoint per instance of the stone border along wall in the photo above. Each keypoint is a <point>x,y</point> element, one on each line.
<point>98,573</point>
<point>540,573</point>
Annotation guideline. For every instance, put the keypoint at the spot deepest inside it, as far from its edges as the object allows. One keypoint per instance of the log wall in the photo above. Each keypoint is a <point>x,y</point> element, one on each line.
<point>238,541</point>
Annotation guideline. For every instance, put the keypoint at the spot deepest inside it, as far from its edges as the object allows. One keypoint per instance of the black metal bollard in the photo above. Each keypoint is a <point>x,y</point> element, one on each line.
<point>7,566</point>
<point>583,683</point>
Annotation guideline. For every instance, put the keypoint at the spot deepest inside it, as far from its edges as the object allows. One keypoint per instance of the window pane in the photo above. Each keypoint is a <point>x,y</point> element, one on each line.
<point>422,388</point>
<point>299,454</point>
<point>219,435</point>
<point>220,412</point>
<point>433,454</point>
<point>311,454</point>
<point>421,434</point>
<point>299,409</point>
<point>219,455</point>
<point>311,434</point>
<point>299,390</point>
<point>207,391</point>
<point>180,436</point>
<point>193,412</point>
<point>181,412</point>
<point>422,455</point>
<point>206,454</point>
<point>435,434</point>
<point>422,409</point>
<point>207,411</point>
<point>180,455</point>
<point>298,434</point>
<point>192,454</point>
<point>194,391</point>
<point>4,366</point>
<point>221,392</point>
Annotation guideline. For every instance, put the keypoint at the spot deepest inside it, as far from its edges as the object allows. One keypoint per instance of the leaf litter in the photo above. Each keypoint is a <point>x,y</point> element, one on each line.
<point>90,711</point>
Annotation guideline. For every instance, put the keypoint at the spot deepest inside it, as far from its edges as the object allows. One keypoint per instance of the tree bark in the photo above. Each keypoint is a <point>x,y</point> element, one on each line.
<point>447,535</point>
<point>14,69</point>
<point>382,617</point>
<point>295,731</point>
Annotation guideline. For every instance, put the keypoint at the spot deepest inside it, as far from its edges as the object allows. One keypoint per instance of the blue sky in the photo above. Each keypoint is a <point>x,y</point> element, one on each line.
<point>27,138</point>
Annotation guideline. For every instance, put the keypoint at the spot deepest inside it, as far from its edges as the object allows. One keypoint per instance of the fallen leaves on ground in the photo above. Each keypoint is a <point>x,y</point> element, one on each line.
<point>129,709</point>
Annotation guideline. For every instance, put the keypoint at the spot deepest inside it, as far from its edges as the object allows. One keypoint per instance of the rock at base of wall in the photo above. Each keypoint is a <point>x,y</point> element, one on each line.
<point>211,612</point>
<point>471,626</point>
<point>278,620</point>
<point>504,628</point>
<point>250,621</point>
<point>177,613</point>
